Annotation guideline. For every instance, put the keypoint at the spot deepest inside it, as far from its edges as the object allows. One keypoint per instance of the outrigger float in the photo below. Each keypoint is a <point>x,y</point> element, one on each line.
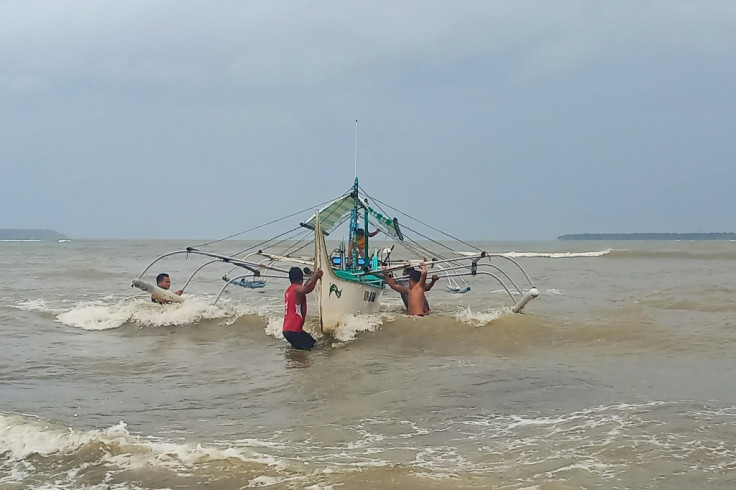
<point>353,280</point>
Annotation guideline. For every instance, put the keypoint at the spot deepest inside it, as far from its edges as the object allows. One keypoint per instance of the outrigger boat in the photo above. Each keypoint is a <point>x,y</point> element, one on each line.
<point>353,280</point>
<point>345,289</point>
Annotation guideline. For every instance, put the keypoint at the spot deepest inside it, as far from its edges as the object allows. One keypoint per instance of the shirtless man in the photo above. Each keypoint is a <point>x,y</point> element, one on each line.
<point>404,281</point>
<point>164,282</point>
<point>415,291</point>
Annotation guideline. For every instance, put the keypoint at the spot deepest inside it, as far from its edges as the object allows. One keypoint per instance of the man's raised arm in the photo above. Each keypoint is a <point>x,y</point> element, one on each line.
<point>393,284</point>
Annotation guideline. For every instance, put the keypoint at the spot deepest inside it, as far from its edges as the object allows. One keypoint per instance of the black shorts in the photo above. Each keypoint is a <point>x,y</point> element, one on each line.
<point>299,340</point>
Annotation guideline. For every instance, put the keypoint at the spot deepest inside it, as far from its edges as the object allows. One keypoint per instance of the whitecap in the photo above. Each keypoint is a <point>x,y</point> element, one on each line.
<point>105,315</point>
<point>558,255</point>
<point>479,318</point>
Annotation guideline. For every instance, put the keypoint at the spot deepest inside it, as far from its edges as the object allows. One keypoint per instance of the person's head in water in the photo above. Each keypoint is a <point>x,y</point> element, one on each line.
<point>163,281</point>
<point>296,276</point>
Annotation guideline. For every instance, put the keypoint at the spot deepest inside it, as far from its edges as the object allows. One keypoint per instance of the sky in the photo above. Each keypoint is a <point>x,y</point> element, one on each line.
<point>492,120</point>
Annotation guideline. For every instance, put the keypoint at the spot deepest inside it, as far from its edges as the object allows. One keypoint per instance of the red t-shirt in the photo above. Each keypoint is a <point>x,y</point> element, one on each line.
<point>294,313</point>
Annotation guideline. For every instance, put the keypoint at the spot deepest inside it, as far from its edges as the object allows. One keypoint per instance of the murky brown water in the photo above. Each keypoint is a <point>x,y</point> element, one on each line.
<point>620,376</point>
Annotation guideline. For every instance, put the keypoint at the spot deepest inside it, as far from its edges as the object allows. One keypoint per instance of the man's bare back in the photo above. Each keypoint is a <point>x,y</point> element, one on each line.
<point>415,291</point>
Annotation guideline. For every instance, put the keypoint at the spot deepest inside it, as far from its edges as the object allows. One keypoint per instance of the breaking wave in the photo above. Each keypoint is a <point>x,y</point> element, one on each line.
<point>41,454</point>
<point>70,457</point>
<point>558,255</point>
<point>674,254</point>
<point>99,315</point>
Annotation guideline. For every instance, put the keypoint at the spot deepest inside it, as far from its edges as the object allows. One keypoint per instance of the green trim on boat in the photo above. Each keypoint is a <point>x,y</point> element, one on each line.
<point>369,279</point>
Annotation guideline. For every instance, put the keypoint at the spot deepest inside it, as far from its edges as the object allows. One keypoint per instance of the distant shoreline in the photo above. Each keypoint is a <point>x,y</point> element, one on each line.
<point>32,235</point>
<point>649,236</point>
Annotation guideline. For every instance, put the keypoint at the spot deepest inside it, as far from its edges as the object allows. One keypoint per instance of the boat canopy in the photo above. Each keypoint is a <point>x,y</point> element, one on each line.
<point>331,215</point>
<point>387,225</point>
<point>334,213</point>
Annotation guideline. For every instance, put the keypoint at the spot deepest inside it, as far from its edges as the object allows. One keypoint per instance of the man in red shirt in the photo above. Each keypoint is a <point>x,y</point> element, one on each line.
<point>295,308</point>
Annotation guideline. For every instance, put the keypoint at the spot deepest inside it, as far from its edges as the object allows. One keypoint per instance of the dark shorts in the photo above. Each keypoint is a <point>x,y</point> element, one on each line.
<point>299,340</point>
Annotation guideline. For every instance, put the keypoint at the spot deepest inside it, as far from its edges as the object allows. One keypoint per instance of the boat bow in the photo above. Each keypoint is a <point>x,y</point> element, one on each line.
<point>342,292</point>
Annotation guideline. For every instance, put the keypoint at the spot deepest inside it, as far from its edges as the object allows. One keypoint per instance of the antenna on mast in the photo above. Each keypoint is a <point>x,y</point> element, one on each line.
<point>356,148</point>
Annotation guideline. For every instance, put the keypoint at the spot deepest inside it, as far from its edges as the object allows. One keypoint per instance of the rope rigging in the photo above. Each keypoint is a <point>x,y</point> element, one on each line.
<point>261,226</point>
<point>428,226</point>
<point>414,246</point>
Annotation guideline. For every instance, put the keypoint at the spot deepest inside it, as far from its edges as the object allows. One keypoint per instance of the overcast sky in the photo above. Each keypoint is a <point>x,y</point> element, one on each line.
<point>499,120</point>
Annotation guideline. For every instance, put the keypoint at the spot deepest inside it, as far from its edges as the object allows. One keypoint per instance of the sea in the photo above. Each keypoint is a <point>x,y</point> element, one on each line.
<point>619,375</point>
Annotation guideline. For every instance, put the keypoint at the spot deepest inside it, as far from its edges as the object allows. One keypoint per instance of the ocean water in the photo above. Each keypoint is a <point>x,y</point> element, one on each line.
<point>620,375</point>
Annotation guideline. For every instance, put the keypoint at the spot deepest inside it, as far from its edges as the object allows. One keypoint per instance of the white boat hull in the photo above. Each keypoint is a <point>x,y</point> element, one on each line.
<point>337,297</point>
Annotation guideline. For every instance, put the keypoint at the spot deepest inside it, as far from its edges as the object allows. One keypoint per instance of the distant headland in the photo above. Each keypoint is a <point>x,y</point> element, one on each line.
<point>649,236</point>
<point>41,235</point>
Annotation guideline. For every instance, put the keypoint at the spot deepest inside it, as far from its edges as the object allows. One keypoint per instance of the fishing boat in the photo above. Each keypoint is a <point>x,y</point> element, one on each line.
<point>342,291</point>
<point>351,284</point>
<point>353,281</point>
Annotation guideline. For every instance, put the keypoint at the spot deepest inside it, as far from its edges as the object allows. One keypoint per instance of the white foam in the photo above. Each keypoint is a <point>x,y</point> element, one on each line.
<point>21,438</point>
<point>104,315</point>
<point>558,255</point>
<point>264,481</point>
<point>352,325</point>
<point>100,486</point>
<point>35,305</point>
<point>479,318</point>
<point>16,470</point>
<point>274,326</point>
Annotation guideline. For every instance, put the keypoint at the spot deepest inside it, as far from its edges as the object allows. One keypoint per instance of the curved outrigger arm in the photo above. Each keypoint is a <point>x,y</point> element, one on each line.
<point>227,259</point>
<point>253,267</point>
<point>159,258</point>
<point>446,272</point>
<point>523,297</point>
<point>518,266</point>
<point>197,270</point>
<point>285,258</point>
<point>218,259</point>
<point>453,285</point>
<point>237,278</point>
<point>526,297</point>
<point>260,264</point>
<point>472,272</point>
<point>498,279</point>
<point>474,258</point>
<point>450,268</point>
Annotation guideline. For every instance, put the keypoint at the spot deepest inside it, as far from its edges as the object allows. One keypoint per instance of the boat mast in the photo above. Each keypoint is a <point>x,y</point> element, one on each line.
<point>354,212</point>
<point>357,203</point>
